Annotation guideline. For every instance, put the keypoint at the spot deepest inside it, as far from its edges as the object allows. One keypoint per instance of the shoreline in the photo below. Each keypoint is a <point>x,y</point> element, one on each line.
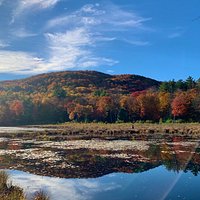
<point>70,131</point>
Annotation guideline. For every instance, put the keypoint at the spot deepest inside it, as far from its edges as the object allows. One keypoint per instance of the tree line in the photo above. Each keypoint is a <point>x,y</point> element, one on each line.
<point>173,100</point>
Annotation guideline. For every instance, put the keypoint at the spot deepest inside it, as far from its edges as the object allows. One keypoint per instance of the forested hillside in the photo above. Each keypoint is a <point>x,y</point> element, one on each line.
<point>95,96</point>
<point>80,83</point>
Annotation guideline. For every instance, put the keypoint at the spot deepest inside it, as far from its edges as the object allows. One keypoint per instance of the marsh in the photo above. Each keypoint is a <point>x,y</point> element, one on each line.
<point>99,168</point>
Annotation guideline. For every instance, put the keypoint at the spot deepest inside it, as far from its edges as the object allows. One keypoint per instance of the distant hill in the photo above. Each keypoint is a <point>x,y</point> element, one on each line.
<point>80,82</point>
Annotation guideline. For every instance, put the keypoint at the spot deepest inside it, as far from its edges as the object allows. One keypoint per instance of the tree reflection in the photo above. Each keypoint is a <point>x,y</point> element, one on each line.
<point>176,155</point>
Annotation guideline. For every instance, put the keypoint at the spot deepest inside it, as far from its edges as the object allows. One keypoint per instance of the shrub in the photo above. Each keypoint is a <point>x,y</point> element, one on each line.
<point>41,195</point>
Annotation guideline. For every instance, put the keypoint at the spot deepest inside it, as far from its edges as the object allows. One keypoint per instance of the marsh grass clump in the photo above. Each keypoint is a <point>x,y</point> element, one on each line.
<point>3,179</point>
<point>7,191</point>
<point>41,195</point>
<point>10,192</point>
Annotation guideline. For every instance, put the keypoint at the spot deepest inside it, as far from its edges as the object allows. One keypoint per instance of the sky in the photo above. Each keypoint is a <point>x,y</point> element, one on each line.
<point>156,39</point>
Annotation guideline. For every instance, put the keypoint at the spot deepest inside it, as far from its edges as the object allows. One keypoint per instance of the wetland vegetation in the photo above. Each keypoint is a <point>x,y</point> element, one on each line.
<point>77,151</point>
<point>103,131</point>
<point>11,192</point>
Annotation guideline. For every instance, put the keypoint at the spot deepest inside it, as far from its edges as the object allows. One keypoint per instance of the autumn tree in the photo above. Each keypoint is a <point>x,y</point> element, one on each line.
<point>107,109</point>
<point>149,106</point>
<point>165,104</point>
<point>5,118</point>
<point>129,108</point>
<point>180,105</point>
<point>59,92</point>
<point>196,108</point>
<point>83,112</point>
<point>17,107</point>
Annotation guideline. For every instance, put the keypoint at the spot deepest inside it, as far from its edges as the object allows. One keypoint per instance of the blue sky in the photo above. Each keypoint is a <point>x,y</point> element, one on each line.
<point>157,39</point>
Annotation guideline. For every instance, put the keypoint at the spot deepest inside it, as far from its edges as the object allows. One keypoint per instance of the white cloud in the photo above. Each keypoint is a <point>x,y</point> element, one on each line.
<point>23,33</point>
<point>90,8</point>
<point>137,42</point>
<point>39,3</point>
<point>95,24</point>
<point>104,38</point>
<point>75,19</point>
<point>77,37</point>
<point>72,50</point>
<point>66,51</point>
<point>18,62</point>
<point>1,2</point>
<point>24,6</point>
<point>108,17</point>
<point>104,20</point>
<point>124,19</point>
<point>176,32</point>
<point>76,45</point>
<point>3,44</point>
<point>175,35</point>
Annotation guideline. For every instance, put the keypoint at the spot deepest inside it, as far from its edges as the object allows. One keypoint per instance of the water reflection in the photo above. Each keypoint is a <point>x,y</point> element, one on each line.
<point>63,189</point>
<point>70,160</point>
<point>99,169</point>
<point>157,183</point>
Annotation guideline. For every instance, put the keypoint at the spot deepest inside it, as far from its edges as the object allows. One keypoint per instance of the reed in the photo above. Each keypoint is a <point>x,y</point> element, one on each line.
<point>10,192</point>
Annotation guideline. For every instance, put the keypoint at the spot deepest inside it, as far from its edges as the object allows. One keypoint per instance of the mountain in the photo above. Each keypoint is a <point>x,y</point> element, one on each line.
<point>88,96</point>
<point>69,95</point>
<point>80,82</point>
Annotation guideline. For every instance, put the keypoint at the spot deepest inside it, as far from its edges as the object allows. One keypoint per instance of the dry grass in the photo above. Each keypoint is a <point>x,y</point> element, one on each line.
<point>10,192</point>
<point>187,129</point>
<point>7,191</point>
<point>41,195</point>
<point>66,131</point>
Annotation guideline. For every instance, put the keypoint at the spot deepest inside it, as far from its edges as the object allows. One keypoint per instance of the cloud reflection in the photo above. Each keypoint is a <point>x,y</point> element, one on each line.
<point>70,189</point>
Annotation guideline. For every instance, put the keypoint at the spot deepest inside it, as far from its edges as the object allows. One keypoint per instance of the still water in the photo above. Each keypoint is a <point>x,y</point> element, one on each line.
<point>155,184</point>
<point>156,169</point>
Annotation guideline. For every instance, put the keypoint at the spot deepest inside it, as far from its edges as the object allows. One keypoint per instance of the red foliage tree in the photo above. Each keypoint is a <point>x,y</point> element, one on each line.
<point>180,105</point>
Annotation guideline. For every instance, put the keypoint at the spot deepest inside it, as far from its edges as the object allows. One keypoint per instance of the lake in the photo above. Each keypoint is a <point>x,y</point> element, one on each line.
<point>105,169</point>
<point>158,183</point>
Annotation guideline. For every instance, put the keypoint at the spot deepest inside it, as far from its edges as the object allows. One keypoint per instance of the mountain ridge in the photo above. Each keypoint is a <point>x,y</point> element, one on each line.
<point>77,80</point>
